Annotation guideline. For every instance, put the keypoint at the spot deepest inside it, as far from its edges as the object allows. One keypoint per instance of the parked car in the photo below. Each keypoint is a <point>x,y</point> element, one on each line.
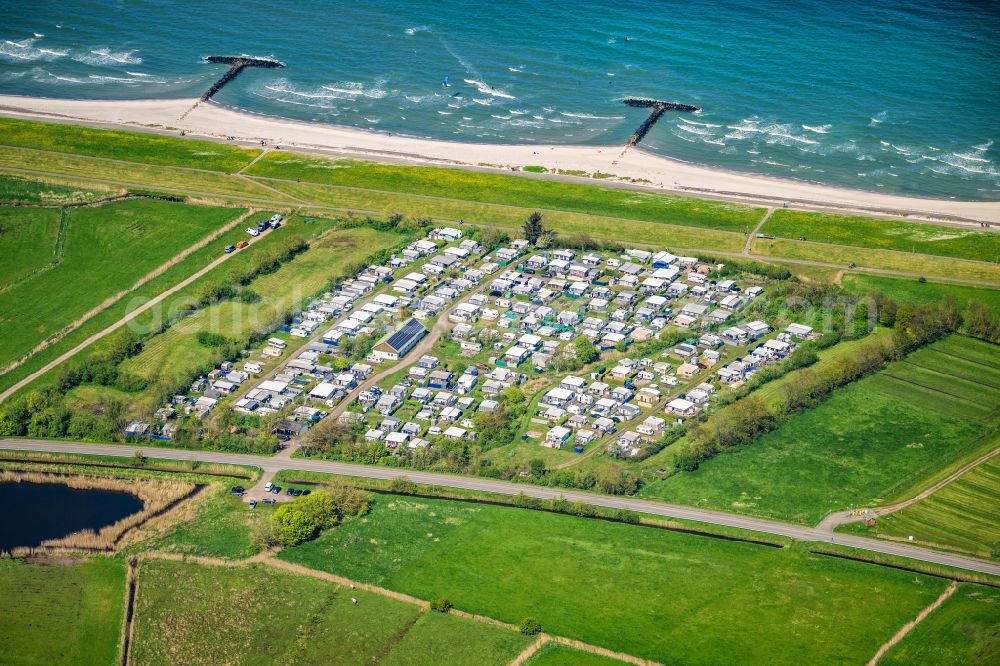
<point>237,490</point>
<point>269,500</point>
<point>268,486</point>
<point>241,245</point>
<point>297,492</point>
<point>276,490</point>
<point>290,491</point>
<point>263,225</point>
<point>253,504</point>
<point>252,231</point>
<point>230,249</point>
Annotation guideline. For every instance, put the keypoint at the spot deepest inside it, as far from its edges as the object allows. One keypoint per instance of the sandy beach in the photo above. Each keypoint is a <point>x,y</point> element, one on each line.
<point>215,121</point>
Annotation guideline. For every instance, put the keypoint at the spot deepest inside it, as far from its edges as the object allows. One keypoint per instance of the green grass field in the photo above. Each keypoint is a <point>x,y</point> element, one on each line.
<point>449,639</point>
<point>917,264</point>
<point>651,593</point>
<point>194,614</point>
<point>145,322</point>
<point>512,191</point>
<point>960,517</point>
<point>553,654</point>
<point>175,353</point>
<point>28,236</point>
<point>221,528</point>
<point>47,192</point>
<point>857,448</point>
<point>569,223</point>
<point>884,234</point>
<point>127,174</point>
<point>909,290</point>
<point>62,613</point>
<point>128,146</point>
<point>965,630</point>
<point>105,250</point>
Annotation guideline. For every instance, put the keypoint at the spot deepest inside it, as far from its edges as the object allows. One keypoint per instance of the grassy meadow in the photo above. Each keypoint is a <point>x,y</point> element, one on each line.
<point>569,223</point>
<point>511,191</point>
<point>221,527</point>
<point>48,193</point>
<point>148,320</point>
<point>119,174</point>
<point>857,448</point>
<point>964,631</point>
<point>62,613</point>
<point>960,517</point>
<point>194,614</point>
<point>894,260</point>
<point>105,250</point>
<point>31,235</point>
<point>651,593</point>
<point>127,146</point>
<point>883,234</point>
<point>909,290</point>
<point>175,353</point>
<point>206,169</point>
<point>554,654</point>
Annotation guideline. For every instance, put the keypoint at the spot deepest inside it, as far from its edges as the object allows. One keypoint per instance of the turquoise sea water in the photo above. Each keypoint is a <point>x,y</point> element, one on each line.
<point>900,99</point>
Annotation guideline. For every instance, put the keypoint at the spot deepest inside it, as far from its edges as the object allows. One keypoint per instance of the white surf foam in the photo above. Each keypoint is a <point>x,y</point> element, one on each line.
<point>487,89</point>
<point>822,129</point>
<point>105,57</point>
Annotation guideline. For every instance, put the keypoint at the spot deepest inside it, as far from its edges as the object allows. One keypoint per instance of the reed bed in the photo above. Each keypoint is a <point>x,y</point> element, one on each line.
<point>157,495</point>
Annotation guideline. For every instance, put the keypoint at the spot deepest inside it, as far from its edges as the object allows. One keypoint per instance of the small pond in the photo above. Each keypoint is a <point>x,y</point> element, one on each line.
<point>34,512</point>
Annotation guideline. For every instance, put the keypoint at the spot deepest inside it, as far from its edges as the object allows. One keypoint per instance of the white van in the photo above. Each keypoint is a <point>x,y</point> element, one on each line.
<point>268,486</point>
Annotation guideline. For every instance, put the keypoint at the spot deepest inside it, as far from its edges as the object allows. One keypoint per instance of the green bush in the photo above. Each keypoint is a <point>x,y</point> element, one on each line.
<point>441,605</point>
<point>529,626</point>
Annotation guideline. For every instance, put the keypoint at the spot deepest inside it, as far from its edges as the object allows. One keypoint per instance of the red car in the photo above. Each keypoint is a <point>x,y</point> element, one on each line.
<point>242,244</point>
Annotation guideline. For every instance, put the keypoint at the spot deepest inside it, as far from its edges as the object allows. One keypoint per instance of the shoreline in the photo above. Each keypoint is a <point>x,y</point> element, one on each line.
<point>655,173</point>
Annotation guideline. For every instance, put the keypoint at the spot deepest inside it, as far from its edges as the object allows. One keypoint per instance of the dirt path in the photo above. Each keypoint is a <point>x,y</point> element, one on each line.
<point>249,164</point>
<point>268,558</point>
<point>131,315</point>
<point>756,230</point>
<point>835,520</point>
<point>340,580</point>
<point>530,651</point>
<point>360,211</point>
<point>604,652</point>
<point>909,626</point>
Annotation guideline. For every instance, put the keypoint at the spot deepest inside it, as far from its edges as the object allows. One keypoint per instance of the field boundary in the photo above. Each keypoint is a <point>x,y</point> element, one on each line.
<point>131,590</point>
<point>529,651</point>
<point>129,316</point>
<point>911,625</point>
<point>950,374</point>
<point>931,388</point>
<point>245,200</point>
<point>267,558</point>
<point>111,300</point>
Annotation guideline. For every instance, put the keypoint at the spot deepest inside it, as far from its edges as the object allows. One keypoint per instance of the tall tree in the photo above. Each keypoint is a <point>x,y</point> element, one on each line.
<point>533,228</point>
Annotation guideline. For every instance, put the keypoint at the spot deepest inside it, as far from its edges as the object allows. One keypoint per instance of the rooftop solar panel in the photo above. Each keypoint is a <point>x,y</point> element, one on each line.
<point>410,330</point>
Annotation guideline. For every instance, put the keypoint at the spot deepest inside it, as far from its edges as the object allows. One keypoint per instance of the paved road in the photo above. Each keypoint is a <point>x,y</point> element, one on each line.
<point>270,465</point>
